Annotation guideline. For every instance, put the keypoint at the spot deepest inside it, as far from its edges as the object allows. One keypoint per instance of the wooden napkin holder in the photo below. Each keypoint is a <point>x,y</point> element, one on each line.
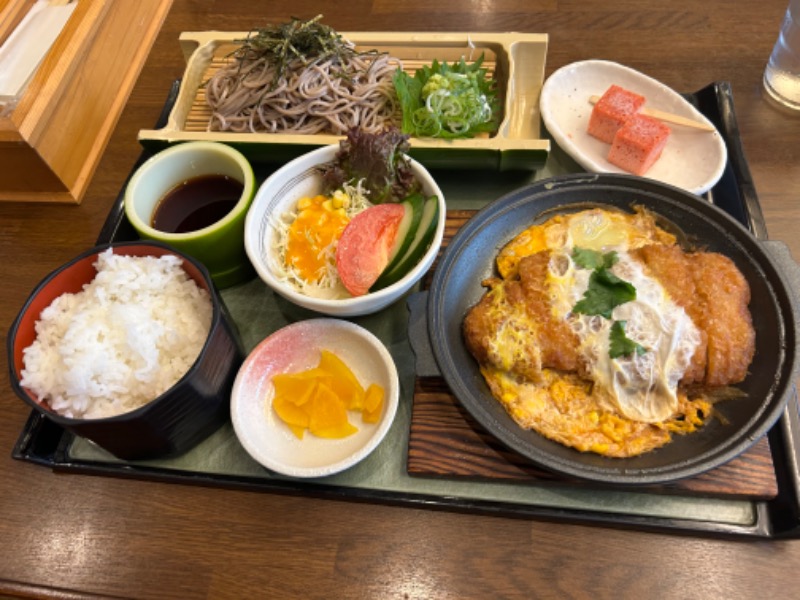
<point>52,138</point>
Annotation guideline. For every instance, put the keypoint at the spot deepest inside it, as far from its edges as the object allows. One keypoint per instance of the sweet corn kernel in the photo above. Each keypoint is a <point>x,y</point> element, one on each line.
<point>340,199</point>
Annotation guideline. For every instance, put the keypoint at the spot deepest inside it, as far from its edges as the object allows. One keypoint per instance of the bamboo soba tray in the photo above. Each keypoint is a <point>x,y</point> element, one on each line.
<point>515,60</point>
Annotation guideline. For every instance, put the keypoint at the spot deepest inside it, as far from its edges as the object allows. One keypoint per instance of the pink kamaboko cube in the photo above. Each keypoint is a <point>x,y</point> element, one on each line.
<point>638,144</point>
<point>611,111</point>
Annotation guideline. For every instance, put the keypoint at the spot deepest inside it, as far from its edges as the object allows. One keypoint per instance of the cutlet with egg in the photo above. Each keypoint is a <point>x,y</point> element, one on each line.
<point>715,294</point>
<point>599,339</point>
<point>514,329</point>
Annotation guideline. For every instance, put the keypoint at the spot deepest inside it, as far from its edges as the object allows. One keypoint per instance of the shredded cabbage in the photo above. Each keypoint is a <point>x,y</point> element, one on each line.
<point>354,200</point>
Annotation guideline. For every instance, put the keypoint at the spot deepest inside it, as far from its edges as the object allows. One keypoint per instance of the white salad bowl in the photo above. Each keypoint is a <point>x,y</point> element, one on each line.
<point>279,194</point>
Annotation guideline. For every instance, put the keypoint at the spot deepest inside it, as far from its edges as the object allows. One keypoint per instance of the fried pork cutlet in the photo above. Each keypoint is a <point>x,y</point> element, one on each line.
<point>513,328</point>
<point>715,295</point>
<point>603,377</point>
<point>668,264</point>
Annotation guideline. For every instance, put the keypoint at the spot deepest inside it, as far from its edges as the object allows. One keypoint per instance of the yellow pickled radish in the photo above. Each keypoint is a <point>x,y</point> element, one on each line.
<point>373,404</point>
<point>319,398</point>
<point>328,417</point>
<point>291,413</point>
<point>292,392</point>
<point>296,386</point>
<point>343,381</point>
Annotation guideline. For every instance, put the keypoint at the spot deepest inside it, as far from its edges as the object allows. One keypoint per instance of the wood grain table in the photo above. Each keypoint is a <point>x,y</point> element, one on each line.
<point>76,536</point>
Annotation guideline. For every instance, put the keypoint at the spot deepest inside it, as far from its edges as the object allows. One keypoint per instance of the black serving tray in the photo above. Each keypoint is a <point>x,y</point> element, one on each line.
<point>44,443</point>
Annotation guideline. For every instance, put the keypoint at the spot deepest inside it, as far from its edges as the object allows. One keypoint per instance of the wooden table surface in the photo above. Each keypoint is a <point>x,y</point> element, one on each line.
<point>70,535</point>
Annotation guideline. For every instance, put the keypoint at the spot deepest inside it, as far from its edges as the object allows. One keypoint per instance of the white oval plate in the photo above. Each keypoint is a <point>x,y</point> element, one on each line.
<point>294,348</point>
<point>692,159</point>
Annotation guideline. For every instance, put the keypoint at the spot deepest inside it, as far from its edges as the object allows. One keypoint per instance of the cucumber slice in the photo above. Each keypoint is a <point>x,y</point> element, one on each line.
<point>413,206</point>
<point>416,250</point>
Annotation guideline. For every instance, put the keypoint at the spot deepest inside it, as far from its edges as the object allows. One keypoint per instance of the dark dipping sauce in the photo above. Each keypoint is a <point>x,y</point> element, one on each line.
<point>196,203</point>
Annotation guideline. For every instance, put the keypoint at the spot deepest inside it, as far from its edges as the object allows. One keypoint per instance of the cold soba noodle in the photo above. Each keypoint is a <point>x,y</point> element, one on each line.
<point>302,78</point>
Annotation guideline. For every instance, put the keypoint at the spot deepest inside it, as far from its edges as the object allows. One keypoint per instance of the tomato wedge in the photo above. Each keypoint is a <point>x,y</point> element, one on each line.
<point>365,245</point>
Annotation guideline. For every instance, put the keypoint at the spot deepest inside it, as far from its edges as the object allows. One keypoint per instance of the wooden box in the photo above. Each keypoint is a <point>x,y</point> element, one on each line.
<point>52,138</point>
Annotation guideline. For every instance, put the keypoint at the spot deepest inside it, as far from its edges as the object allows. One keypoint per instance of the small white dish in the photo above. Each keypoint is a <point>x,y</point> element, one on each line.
<point>693,159</point>
<point>294,348</point>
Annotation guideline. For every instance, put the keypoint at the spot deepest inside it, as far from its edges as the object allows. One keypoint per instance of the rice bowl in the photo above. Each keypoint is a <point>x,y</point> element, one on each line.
<point>129,335</point>
<point>168,423</point>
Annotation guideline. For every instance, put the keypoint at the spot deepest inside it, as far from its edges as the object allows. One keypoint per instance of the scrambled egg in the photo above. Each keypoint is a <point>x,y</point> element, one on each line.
<point>593,229</point>
<point>642,386</point>
<point>564,408</point>
<point>312,236</point>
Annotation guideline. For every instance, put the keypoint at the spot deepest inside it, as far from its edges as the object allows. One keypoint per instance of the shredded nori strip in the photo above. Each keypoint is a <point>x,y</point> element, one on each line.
<point>282,44</point>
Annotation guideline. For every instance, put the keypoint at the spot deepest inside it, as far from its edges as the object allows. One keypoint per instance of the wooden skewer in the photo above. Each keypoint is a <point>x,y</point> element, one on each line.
<point>668,117</point>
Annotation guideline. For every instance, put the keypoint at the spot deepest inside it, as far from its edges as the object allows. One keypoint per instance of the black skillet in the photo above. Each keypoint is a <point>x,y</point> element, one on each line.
<point>470,256</point>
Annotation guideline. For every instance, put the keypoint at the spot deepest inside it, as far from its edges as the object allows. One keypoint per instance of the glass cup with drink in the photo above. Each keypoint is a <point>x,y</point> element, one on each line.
<point>782,75</point>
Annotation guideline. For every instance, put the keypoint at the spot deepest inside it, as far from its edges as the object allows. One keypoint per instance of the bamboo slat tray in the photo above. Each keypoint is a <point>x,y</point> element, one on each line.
<point>446,442</point>
<point>516,60</point>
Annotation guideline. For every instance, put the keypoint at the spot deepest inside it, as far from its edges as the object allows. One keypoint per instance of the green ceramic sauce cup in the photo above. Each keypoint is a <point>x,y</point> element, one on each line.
<point>219,246</point>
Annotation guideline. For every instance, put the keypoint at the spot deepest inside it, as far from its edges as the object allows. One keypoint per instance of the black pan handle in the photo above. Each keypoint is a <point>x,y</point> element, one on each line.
<point>790,270</point>
<point>425,362</point>
<point>781,254</point>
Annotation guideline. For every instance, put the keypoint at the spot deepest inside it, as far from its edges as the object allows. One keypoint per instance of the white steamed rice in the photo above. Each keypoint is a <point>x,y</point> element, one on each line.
<point>127,337</point>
